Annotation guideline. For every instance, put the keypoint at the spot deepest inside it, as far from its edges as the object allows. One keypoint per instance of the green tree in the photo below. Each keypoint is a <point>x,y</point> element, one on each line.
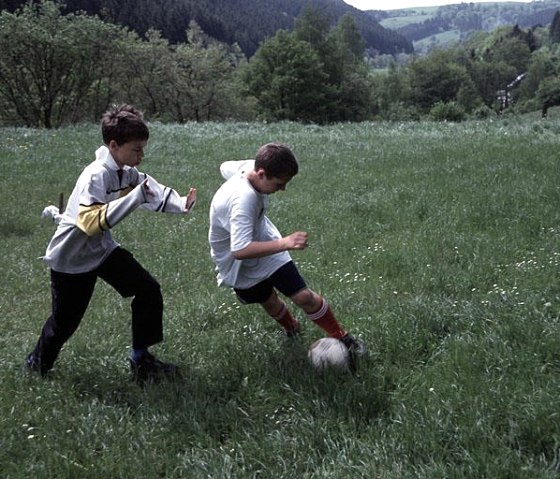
<point>341,51</point>
<point>512,51</point>
<point>391,94</point>
<point>436,78</point>
<point>203,79</point>
<point>144,72</point>
<point>51,66</point>
<point>490,77</point>
<point>348,39</point>
<point>287,79</point>
<point>542,65</point>
<point>554,29</point>
<point>351,89</point>
<point>548,93</point>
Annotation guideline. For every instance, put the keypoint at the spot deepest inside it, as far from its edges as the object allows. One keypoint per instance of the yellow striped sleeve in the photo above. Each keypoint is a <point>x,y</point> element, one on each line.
<point>92,219</point>
<point>126,191</point>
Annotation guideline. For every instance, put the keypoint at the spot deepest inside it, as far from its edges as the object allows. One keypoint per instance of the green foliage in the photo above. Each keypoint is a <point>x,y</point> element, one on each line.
<point>319,72</point>
<point>58,69</point>
<point>483,112</point>
<point>243,22</point>
<point>315,74</point>
<point>450,111</point>
<point>554,29</point>
<point>542,65</point>
<point>422,23</point>
<point>287,79</point>
<point>439,247</point>
<point>436,78</point>
<point>51,66</point>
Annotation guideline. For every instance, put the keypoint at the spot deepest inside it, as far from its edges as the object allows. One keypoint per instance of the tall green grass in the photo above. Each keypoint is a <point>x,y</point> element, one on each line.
<point>437,244</point>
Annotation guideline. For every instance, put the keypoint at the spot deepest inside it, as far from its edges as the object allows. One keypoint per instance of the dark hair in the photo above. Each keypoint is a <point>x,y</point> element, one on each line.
<point>123,123</point>
<point>277,161</point>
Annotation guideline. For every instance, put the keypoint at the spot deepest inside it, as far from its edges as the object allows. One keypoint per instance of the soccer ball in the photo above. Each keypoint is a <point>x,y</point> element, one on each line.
<point>330,353</point>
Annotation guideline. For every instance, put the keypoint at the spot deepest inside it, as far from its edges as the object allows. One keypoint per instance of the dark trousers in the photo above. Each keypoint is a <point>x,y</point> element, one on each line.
<point>71,294</point>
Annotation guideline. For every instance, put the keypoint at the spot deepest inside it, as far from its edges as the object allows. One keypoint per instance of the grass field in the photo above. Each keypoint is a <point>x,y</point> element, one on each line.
<point>437,244</point>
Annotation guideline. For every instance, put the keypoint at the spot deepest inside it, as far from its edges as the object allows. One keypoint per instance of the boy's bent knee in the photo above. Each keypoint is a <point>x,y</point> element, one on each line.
<point>307,299</point>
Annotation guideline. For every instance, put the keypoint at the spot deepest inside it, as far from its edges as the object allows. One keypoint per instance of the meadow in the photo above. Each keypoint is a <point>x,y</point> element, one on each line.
<point>437,244</point>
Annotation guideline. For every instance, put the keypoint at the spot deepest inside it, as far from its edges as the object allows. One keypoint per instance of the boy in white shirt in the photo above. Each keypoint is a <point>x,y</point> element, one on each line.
<point>82,248</point>
<point>250,254</point>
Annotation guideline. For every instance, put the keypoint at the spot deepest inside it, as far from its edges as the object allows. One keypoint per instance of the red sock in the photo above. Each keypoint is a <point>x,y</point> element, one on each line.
<point>286,319</point>
<point>324,318</point>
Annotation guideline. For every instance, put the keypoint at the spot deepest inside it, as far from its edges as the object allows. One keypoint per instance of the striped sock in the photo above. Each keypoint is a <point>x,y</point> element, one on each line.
<point>324,318</point>
<point>286,319</point>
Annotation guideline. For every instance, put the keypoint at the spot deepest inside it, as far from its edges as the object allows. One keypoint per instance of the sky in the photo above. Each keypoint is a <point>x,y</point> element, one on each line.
<point>396,4</point>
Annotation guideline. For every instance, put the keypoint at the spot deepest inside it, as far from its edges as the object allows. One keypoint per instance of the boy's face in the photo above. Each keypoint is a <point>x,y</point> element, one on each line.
<point>130,153</point>
<point>265,185</point>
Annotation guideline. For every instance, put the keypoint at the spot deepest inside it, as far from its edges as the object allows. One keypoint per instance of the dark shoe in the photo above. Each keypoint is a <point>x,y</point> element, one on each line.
<point>294,332</point>
<point>356,347</point>
<point>148,368</point>
<point>357,350</point>
<point>35,366</point>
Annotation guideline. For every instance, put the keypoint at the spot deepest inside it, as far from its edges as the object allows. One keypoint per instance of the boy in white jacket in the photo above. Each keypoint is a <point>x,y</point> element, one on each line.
<point>82,248</point>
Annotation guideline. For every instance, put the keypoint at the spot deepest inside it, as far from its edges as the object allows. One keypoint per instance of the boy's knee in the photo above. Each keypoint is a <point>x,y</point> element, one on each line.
<point>148,289</point>
<point>307,299</point>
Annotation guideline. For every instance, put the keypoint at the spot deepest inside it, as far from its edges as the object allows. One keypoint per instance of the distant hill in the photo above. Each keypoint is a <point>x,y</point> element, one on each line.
<point>245,22</point>
<point>440,25</point>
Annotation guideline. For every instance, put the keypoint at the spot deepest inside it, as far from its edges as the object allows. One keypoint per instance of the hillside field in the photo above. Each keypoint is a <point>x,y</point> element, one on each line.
<point>438,244</point>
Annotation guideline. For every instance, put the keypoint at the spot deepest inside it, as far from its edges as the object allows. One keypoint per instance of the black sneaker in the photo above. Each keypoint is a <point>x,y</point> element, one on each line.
<point>148,368</point>
<point>357,350</point>
<point>293,332</point>
<point>354,346</point>
<point>35,366</point>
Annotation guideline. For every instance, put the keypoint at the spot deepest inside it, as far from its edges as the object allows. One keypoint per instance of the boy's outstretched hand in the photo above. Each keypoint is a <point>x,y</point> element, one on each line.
<point>191,200</point>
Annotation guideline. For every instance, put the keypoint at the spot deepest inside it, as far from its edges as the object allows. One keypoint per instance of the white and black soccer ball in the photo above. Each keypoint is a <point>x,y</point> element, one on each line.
<point>330,353</point>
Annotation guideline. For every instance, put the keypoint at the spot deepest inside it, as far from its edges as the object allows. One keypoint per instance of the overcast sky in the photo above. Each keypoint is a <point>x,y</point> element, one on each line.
<point>395,4</point>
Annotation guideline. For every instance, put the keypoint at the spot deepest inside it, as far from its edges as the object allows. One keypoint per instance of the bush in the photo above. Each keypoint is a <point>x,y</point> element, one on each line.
<point>483,112</point>
<point>399,111</point>
<point>450,111</point>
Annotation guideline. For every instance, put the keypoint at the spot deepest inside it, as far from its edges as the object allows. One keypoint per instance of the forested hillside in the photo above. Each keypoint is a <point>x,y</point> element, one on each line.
<point>245,22</point>
<point>58,68</point>
<point>418,24</point>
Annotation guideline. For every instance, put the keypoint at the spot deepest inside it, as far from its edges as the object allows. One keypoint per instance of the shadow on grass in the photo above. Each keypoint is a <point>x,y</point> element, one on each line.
<point>238,394</point>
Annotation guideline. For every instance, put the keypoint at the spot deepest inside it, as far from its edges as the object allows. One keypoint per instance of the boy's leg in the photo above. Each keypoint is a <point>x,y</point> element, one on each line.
<point>277,309</point>
<point>289,282</point>
<point>71,294</point>
<point>263,293</point>
<point>129,278</point>
<point>318,310</point>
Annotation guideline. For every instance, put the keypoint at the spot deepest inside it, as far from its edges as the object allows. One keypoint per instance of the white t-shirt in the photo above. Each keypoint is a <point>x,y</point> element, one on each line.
<point>237,218</point>
<point>70,249</point>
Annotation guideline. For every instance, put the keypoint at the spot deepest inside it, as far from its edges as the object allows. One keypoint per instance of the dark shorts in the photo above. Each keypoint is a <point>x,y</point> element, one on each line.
<point>285,279</point>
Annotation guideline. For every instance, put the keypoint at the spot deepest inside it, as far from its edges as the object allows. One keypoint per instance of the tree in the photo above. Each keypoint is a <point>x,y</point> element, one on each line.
<point>436,78</point>
<point>287,79</point>
<point>542,65</point>
<point>144,72</point>
<point>51,65</point>
<point>203,72</point>
<point>490,77</point>
<point>348,73</point>
<point>549,93</point>
<point>554,29</point>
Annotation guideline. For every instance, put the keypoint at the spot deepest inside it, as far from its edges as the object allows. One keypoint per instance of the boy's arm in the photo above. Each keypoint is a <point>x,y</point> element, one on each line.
<point>167,200</point>
<point>259,249</point>
<point>97,217</point>
<point>229,168</point>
